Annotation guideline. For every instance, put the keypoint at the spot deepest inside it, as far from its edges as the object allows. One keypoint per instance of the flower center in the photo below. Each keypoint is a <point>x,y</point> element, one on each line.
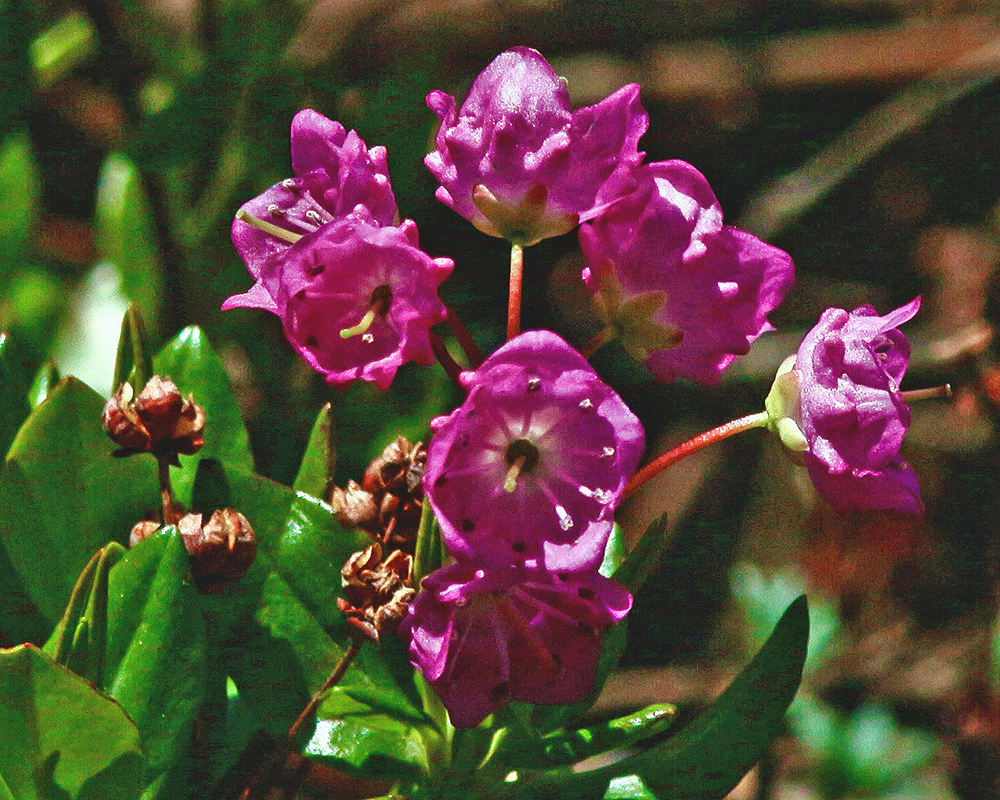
<point>521,456</point>
<point>379,304</point>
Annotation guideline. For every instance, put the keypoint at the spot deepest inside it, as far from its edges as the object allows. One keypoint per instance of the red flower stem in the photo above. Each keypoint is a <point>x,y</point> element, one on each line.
<point>451,366</point>
<point>514,297</point>
<point>660,463</point>
<point>469,346</point>
<point>598,341</point>
<point>926,394</point>
<point>332,680</point>
<point>170,516</point>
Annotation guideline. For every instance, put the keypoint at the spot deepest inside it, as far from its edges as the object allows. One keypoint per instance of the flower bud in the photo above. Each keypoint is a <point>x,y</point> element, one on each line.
<point>159,420</point>
<point>222,550</point>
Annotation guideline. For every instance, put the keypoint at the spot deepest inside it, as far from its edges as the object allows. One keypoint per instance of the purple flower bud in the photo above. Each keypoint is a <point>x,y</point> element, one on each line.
<point>356,300</point>
<point>851,411</point>
<point>485,637</point>
<point>531,466</point>
<point>686,293</point>
<point>517,162</point>
<point>335,173</point>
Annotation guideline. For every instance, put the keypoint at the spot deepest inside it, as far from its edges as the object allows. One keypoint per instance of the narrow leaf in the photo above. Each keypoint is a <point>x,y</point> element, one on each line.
<point>644,558</point>
<point>14,408</point>
<point>45,380</point>
<point>319,462</point>
<point>134,352</point>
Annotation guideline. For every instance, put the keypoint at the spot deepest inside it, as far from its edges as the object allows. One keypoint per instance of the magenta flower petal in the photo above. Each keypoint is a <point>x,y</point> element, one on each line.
<point>852,413</point>
<point>534,462</point>
<point>483,638</point>
<point>516,160</point>
<point>328,281</point>
<point>687,293</point>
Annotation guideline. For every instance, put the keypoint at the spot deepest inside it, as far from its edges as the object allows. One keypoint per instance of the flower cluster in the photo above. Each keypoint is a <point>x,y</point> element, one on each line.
<point>524,478</point>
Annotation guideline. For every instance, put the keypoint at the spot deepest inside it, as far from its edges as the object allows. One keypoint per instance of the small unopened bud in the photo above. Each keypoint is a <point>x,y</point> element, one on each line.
<point>159,420</point>
<point>378,592</point>
<point>222,550</point>
<point>354,507</point>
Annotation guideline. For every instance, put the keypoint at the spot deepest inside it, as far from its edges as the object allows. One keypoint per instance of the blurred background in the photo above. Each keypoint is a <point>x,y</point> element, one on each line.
<point>859,135</point>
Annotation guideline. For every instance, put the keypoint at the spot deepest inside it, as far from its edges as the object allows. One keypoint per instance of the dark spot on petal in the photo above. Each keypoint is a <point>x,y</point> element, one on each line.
<point>500,693</point>
<point>586,593</point>
<point>315,270</point>
<point>519,547</point>
<point>311,341</point>
<point>441,480</point>
<point>562,576</point>
<point>468,525</point>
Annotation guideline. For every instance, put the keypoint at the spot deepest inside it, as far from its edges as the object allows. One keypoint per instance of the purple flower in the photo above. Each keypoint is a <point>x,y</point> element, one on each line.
<point>533,463</point>
<point>483,638</point>
<point>853,415</point>
<point>517,162</point>
<point>686,293</point>
<point>334,174</point>
<point>356,300</point>
<point>844,396</point>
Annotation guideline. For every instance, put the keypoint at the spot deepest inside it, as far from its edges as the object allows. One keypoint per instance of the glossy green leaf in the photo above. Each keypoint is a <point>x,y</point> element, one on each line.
<point>193,365</point>
<point>563,748</point>
<point>59,738</point>
<point>14,408</point>
<point>20,190</point>
<point>157,648</point>
<point>125,235</point>
<point>45,380</point>
<point>134,359</point>
<point>62,495</point>
<point>80,639</point>
<point>319,462</point>
<point>709,756</point>
<point>628,787</point>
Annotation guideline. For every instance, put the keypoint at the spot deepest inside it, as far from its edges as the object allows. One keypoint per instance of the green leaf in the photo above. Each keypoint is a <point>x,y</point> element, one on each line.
<point>14,408</point>
<point>157,648</point>
<point>60,738</point>
<point>709,756</point>
<point>644,558</point>
<point>62,495</point>
<point>125,235</point>
<point>80,639</point>
<point>429,553</point>
<point>45,380</point>
<point>196,369</point>
<point>134,354</point>
<point>319,462</point>
<point>20,190</point>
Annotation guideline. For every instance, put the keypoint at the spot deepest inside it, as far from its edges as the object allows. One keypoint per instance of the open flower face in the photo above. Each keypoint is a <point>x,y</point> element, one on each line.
<point>686,293</point>
<point>484,638</point>
<point>852,414</point>
<point>517,162</point>
<point>334,174</point>
<point>532,465</point>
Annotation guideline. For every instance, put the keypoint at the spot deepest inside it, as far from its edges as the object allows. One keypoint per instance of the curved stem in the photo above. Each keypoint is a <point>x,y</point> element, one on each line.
<point>332,680</point>
<point>514,296</point>
<point>451,366</point>
<point>657,465</point>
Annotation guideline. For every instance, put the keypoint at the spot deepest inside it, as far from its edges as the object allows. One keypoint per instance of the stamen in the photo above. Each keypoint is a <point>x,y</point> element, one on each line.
<point>267,227</point>
<point>361,327</point>
<point>926,394</point>
<point>513,471</point>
